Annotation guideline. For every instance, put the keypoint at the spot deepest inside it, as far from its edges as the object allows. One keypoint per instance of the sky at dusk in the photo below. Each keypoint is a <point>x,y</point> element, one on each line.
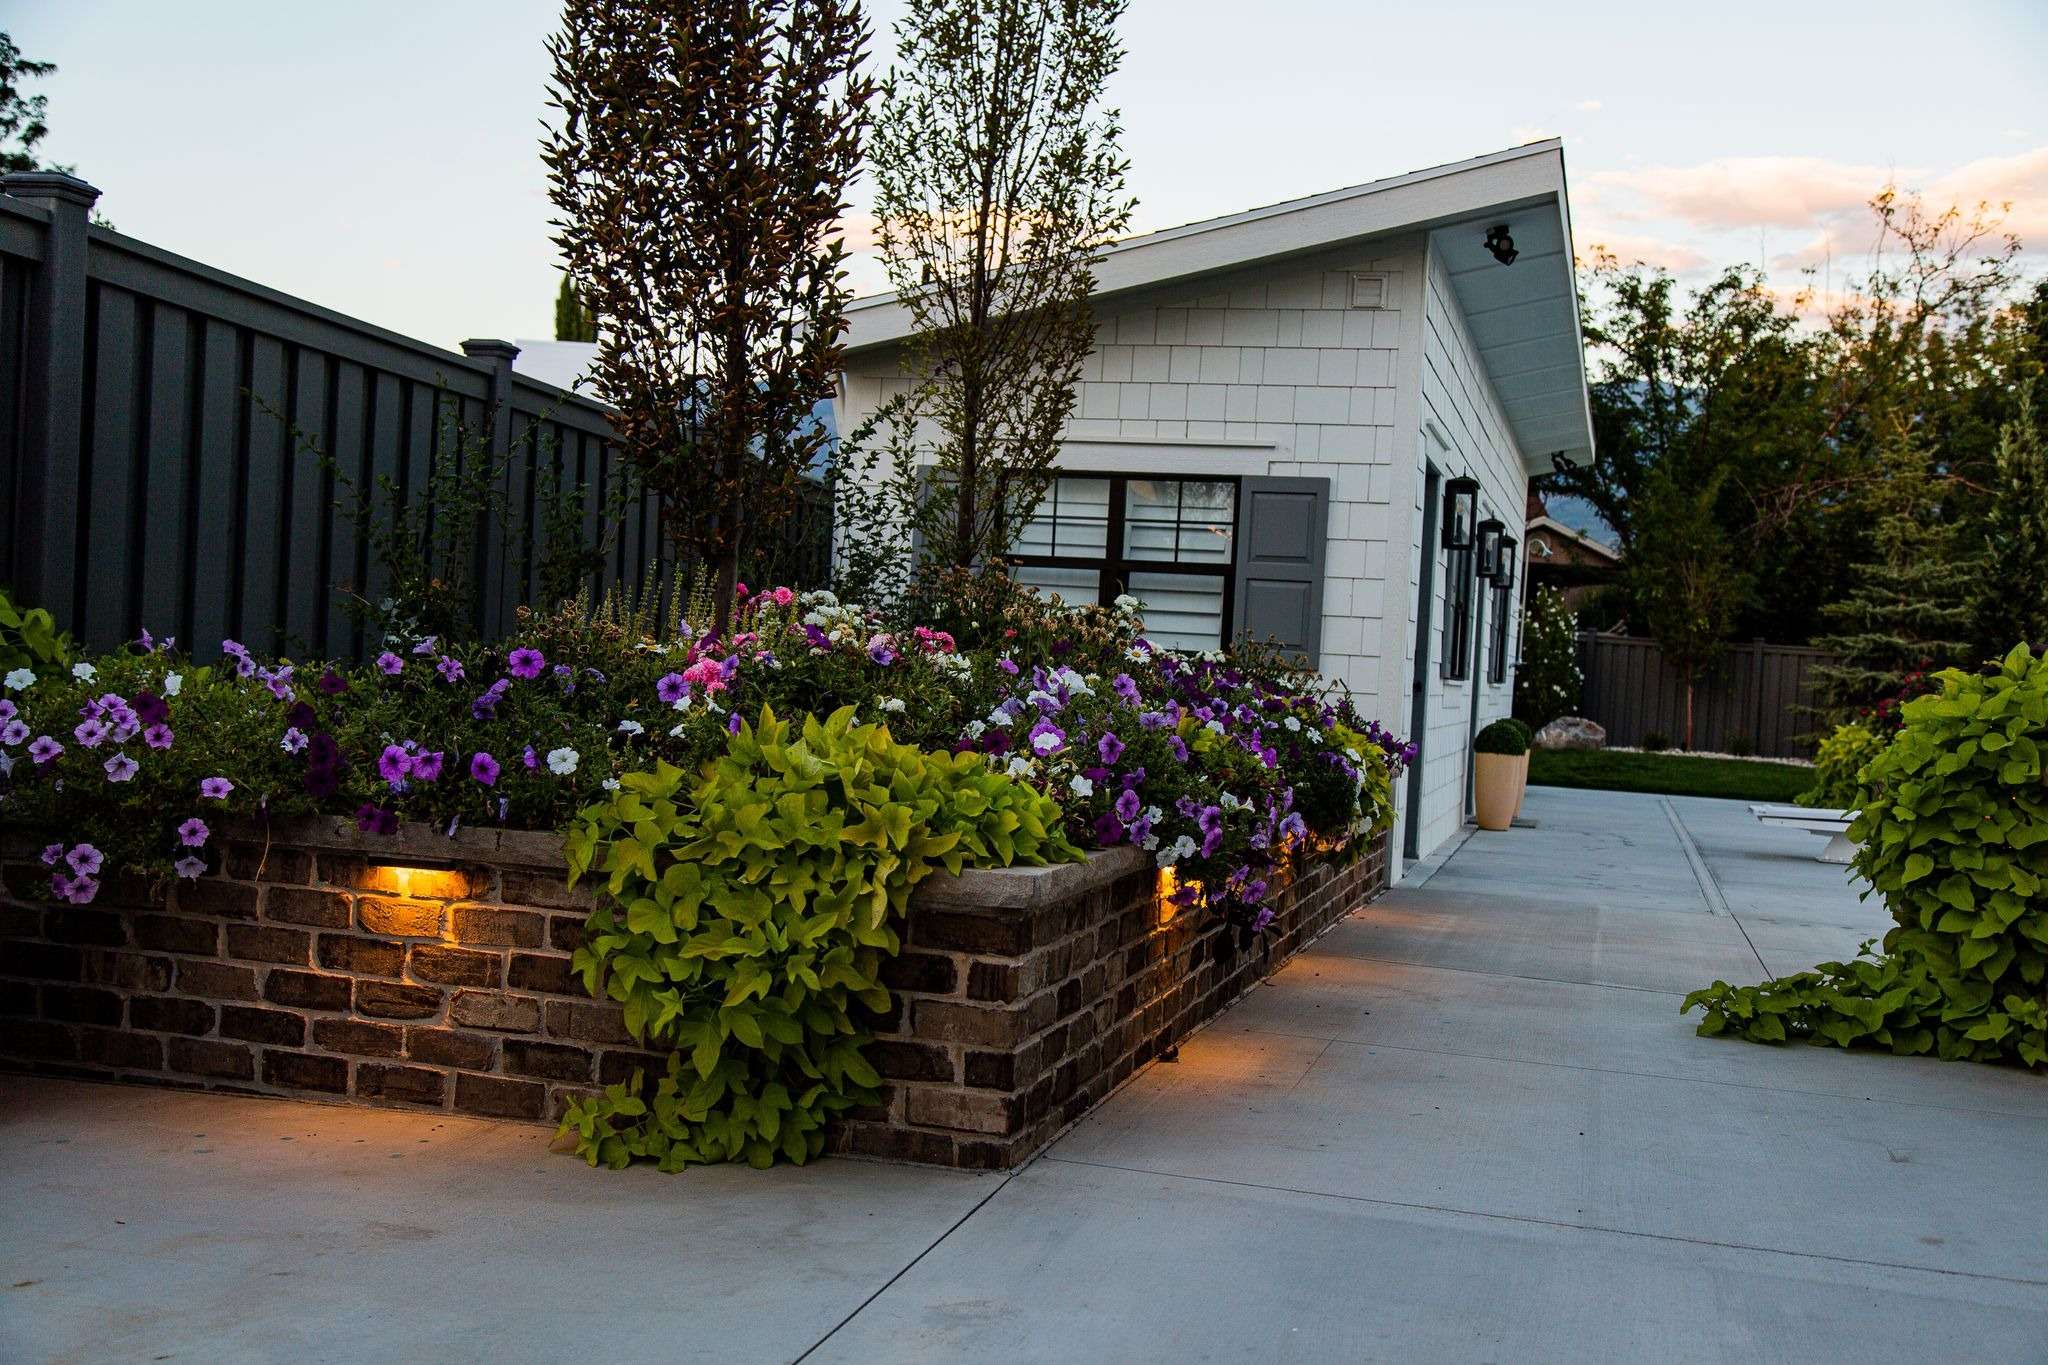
<point>380,158</point>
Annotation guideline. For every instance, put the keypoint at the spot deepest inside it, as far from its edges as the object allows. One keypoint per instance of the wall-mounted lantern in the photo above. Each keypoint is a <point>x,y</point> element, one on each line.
<point>1489,548</point>
<point>1505,578</point>
<point>1461,511</point>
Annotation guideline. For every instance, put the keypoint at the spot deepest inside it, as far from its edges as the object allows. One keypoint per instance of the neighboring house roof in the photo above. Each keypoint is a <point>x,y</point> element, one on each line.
<point>1523,318</point>
<point>1570,547</point>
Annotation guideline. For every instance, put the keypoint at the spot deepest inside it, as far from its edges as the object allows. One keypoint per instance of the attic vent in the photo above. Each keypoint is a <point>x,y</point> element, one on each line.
<point>1368,291</point>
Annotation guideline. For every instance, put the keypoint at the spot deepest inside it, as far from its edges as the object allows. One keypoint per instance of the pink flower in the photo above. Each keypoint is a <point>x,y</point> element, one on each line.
<point>705,673</point>
<point>783,597</point>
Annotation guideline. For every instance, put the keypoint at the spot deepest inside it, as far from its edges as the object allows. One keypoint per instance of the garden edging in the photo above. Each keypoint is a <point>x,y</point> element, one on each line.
<point>430,971</point>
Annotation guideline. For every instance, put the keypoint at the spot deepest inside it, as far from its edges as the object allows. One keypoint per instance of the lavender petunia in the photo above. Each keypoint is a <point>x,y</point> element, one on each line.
<point>389,664</point>
<point>120,768</point>
<point>43,750</point>
<point>484,769</point>
<point>525,663</point>
<point>215,788</point>
<point>193,832</point>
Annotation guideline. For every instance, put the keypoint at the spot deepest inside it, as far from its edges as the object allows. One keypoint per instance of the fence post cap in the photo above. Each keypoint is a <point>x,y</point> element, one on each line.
<point>50,185</point>
<point>490,348</point>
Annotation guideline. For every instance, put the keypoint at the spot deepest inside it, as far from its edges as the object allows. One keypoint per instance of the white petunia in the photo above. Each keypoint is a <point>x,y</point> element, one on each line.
<point>83,671</point>
<point>1019,766</point>
<point>610,784</point>
<point>632,727</point>
<point>1216,725</point>
<point>1292,724</point>
<point>1081,786</point>
<point>976,729</point>
<point>893,705</point>
<point>563,761</point>
<point>20,680</point>
<point>174,683</point>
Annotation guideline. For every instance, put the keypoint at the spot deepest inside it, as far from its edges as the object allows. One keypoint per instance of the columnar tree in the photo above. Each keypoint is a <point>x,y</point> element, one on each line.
<point>572,320</point>
<point>698,173</point>
<point>1683,576</point>
<point>998,180</point>
<point>2012,606</point>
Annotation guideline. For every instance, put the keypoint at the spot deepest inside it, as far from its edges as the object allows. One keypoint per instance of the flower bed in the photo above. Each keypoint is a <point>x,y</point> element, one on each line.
<point>320,965</point>
<point>1010,732</point>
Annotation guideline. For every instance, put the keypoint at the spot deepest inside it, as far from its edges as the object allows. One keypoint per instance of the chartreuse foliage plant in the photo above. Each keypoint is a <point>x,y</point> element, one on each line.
<point>1952,830</point>
<point>751,907</point>
<point>29,637</point>
<point>1837,764</point>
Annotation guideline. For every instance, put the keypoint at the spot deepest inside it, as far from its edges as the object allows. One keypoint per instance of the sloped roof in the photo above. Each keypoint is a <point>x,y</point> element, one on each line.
<point>1523,318</point>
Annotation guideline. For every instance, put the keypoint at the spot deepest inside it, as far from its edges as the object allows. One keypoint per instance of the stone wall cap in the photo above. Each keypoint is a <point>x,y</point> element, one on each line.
<point>1026,888</point>
<point>988,888</point>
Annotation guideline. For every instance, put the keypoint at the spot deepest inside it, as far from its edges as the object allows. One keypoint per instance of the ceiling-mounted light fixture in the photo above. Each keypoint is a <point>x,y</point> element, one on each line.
<point>1500,244</point>
<point>1461,509</point>
<point>1489,548</point>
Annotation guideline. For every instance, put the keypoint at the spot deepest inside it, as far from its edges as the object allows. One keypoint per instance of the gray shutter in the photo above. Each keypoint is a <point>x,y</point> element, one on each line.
<point>1282,538</point>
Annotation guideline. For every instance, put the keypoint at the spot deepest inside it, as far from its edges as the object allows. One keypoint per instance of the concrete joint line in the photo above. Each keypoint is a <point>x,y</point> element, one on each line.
<point>1710,889</point>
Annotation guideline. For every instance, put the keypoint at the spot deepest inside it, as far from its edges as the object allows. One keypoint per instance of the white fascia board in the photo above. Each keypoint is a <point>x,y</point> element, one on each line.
<point>1518,177</point>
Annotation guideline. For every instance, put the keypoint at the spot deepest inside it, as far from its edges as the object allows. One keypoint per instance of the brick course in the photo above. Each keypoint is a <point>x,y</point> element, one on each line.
<point>1021,998</point>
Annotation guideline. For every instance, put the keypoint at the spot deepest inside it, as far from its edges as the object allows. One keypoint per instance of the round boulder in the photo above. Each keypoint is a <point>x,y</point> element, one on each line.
<point>1572,732</point>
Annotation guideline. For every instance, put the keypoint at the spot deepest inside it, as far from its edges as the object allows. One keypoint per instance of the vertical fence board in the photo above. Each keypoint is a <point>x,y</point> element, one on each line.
<point>213,484</point>
<point>167,465</point>
<point>1760,693</point>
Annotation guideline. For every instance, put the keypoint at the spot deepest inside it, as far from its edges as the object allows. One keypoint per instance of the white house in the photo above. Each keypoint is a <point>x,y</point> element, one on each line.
<point>1277,421</point>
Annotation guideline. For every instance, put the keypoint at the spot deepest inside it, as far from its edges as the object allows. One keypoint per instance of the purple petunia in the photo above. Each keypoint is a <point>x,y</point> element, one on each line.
<point>1047,738</point>
<point>215,788</point>
<point>8,710</point>
<point>525,663</point>
<point>13,732</point>
<point>51,853</point>
<point>1008,666</point>
<point>43,750</point>
<point>374,819</point>
<point>120,768</point>
<point>389,664</point>
<point>426,767</point>
<point>732,723</point>
<point>450,669</point>
<point>1127,806</point>
<point>879,652</point>
<point>90,732</point>
<point>193,832</point>
<point>428,645</point>
<point>1126,687</point>
<point>1179,747</point>
<point>158,736</point>
<point>671,688</point>
<point>332,683</point>
<point>485,707</point>
<point>484,769</point>
<point>244,665</point>
<point>84,859</point>
<point>189,867</point>
<point>394,764</point>
<point>1109,747</point>
<point>294,740</point>
<point>150,708</point>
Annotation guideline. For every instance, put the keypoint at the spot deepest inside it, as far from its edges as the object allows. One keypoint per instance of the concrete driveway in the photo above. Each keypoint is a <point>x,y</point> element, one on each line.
<point>1469,1125</point>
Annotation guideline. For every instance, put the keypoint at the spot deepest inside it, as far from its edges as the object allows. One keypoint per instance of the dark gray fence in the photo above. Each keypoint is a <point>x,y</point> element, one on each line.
<point>1759,695</point>
<point>147,459</point>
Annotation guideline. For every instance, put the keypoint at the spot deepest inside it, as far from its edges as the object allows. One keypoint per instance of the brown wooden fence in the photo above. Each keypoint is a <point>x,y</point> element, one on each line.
<point>148,470</point>
<point>1757,697</point>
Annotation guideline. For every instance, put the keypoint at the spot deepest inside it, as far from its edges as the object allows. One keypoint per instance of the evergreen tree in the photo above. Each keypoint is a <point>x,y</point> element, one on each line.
<point>1912,607</point>
<point>572,318</point>
<point>2013,605</point>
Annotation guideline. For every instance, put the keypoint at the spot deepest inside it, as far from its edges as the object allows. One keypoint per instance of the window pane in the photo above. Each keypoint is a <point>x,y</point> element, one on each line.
<point>1182,611</point>
<point>1208,519</point>
<point>1072,521</point>
<point>1179,521</point>
<point>1074,586</point>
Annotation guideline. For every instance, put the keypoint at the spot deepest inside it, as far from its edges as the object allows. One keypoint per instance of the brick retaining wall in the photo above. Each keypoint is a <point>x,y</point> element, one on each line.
<point>304,968</point>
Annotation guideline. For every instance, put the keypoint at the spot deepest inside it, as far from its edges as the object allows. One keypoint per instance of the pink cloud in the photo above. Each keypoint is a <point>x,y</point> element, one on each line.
<point>1639,249</point>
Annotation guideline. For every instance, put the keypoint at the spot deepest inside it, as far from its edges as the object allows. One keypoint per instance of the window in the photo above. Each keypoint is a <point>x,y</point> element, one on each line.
<point>1497,644</point>
<point>1171,543</point>
<point>1458,584</point>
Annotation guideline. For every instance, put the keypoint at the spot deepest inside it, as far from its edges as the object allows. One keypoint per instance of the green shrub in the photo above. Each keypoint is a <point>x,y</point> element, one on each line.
<point>29,638</point>
<point>751,908</point>
<point>1655,742</point>
<point>1952,830</point>
<point>1837,765</point>
<point>1503,737</point>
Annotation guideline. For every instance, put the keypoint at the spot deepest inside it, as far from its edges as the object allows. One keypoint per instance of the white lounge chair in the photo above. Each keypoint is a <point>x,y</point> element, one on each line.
<point>1835,823</point>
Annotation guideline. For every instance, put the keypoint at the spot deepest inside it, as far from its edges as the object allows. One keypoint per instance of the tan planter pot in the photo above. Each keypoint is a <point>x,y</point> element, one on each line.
<point>1521,781</point>
<point>1497,786</point>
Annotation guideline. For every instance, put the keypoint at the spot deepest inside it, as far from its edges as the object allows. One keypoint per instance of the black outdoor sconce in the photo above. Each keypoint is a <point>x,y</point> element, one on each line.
<point>1461,508</point>
<point>1489,548</point>
<point>1500,244</point>
<point>1505,578</point>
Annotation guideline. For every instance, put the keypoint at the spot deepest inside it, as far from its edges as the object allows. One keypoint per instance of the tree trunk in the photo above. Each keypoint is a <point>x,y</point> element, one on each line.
<point>1688,715</point>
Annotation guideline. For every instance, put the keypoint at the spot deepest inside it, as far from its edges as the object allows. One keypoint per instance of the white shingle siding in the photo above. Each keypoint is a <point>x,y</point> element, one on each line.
<point>1271,371</point>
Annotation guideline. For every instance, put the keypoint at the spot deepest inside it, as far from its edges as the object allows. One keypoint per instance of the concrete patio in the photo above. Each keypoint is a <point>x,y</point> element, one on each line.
<point>1470,1124</point>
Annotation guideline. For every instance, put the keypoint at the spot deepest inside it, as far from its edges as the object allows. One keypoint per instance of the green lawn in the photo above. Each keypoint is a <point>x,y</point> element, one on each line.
<point>1670,774</point>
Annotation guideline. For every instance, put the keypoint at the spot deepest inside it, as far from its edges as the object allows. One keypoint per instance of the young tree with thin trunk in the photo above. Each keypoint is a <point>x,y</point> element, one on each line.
<point>1683,576</point>
<point>998,181</point>
<point>699,173</point>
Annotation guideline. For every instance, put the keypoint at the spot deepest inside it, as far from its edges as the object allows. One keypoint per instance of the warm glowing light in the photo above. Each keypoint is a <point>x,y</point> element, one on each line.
<point>1169,882</point>
<point>418,883</point>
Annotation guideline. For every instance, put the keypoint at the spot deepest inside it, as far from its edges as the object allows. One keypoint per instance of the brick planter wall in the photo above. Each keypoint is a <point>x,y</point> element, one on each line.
<point>306,969</point>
